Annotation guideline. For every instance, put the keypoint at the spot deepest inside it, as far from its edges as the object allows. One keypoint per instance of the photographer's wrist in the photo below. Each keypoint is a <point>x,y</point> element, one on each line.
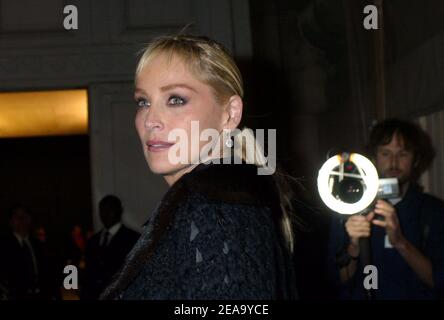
<point>353,251</point>
<point>344,258</point>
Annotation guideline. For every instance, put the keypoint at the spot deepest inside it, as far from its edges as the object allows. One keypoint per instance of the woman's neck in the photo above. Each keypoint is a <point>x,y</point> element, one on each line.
<point>173,177</point>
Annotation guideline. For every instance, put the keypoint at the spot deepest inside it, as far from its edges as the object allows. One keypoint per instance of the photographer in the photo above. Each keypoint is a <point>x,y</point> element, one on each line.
<point>406,233</point>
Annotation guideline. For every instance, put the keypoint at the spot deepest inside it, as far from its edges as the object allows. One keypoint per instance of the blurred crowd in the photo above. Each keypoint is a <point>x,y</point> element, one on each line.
<point>33,263</point>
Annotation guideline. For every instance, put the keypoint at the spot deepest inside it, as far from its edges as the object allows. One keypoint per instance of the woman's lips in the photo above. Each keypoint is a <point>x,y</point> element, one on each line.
<point>156,145</point>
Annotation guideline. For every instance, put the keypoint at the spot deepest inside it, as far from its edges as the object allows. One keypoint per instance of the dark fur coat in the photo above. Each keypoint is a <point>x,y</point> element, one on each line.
<point>214,235</point>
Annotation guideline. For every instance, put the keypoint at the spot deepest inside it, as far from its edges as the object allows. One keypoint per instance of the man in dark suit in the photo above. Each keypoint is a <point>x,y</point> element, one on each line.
<point>26,272</point>
<point>107,249</point>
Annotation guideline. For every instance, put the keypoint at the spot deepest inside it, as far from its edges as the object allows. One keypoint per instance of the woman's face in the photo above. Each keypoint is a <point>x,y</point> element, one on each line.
<point>169,97</point>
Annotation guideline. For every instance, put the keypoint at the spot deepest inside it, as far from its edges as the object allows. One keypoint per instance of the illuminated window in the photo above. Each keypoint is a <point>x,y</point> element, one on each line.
<point>43,113</point>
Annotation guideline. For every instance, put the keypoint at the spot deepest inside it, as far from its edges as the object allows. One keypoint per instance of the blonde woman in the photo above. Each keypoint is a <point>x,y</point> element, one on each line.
<point>221,231</point>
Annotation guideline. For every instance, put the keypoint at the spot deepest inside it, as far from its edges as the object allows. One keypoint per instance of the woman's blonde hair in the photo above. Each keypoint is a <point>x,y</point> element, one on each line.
<point>206,59</point>
<point>212,64</point>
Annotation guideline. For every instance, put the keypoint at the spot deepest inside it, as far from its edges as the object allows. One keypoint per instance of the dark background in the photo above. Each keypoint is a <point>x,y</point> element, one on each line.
<point>311,73</point>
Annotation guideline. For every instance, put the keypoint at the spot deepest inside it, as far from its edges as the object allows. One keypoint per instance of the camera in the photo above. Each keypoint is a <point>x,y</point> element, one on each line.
<point>348,183</point>
<point>388,188</point>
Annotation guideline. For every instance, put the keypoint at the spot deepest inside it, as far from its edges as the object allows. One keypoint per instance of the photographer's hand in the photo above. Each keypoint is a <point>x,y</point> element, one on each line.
<point>390,222</point>
<point>357,226</point>
<point>414,258</point>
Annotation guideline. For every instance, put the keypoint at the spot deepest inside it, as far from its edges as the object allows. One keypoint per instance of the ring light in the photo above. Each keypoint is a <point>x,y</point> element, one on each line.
<point>367,172</point>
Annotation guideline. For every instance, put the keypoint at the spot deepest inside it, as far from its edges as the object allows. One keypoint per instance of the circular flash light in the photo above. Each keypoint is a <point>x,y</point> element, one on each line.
<point>367,172</point>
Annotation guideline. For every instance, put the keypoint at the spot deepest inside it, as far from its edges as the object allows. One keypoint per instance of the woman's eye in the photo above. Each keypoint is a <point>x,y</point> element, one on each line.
<point>176,101</point>
<point>142,103</point>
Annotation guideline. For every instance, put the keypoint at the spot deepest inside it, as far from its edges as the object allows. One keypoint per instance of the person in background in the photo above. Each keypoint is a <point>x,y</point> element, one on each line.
<point>40,234</point>
<point>26,271</point>
<point>406,234</point>
<point>76,245</point>
<point>106,250</point>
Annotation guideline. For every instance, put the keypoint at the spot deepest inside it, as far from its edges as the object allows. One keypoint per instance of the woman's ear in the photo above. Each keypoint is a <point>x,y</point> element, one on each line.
<point>233,113</point>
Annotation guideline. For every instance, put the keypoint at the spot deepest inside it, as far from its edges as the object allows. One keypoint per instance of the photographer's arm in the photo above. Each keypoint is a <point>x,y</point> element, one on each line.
<point>357,227</point>
<point>419,263</point>
<point>347,272</point>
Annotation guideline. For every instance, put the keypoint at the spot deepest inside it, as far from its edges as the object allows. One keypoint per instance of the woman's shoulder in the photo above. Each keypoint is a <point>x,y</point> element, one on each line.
<point>220,195</point>
<point>231,184</point>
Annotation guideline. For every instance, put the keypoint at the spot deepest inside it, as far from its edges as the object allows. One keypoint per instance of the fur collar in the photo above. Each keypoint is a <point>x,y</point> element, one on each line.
<point>231,183</point>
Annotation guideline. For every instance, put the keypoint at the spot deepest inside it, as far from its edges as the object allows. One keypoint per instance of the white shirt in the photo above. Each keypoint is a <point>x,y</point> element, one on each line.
<point>25,240</point>
<point>394,201</point>
<point>112,232</point>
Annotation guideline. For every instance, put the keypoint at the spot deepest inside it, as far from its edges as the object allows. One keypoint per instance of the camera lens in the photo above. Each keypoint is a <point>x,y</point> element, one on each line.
<point>350,190</point>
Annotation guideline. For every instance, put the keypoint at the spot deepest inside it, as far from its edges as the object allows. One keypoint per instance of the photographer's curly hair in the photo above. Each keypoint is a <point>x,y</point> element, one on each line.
<point>415,139</point>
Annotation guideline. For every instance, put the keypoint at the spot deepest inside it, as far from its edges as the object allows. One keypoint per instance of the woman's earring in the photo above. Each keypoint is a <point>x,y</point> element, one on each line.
<point>229,142</point>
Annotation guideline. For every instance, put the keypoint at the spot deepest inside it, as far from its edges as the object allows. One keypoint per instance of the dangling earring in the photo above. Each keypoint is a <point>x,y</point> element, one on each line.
<point>229,142</point>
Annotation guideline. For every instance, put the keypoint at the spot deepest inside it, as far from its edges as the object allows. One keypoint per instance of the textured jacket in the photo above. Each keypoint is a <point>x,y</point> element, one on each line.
<point>214,235</point>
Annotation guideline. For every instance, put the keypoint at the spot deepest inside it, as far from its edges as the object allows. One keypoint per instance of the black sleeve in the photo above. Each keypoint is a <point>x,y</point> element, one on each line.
<point>224,251</point>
